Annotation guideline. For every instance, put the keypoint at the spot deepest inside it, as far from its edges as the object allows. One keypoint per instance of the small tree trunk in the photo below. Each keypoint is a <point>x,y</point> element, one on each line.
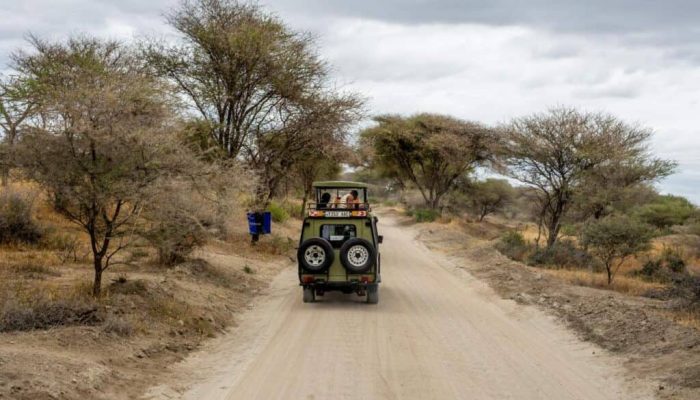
<point>303,205</point>
<point>434,202</point>
<point>4,176</point>
<point>483,214</point>
<point>553,231</point>
<point>97,284</point>
<point>608,269</point>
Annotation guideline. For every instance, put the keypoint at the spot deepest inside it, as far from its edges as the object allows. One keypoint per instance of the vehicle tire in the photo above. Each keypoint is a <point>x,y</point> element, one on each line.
<point>309,295</point>
<point>315,255</point>
<point>373,294</point>
<point>357,255</point>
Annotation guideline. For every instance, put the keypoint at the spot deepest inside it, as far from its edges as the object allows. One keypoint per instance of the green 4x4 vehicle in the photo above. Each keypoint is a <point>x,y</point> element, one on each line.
<point>339,245</point>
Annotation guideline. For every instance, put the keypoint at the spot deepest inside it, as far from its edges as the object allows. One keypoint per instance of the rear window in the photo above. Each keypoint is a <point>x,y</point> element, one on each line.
<point>337,234</point>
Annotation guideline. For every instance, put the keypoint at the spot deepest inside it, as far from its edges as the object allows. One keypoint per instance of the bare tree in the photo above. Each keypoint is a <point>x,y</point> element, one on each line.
<point>563,152</point>
<point>104,137</point>
<point>16,106</point>
<point>432,152</point>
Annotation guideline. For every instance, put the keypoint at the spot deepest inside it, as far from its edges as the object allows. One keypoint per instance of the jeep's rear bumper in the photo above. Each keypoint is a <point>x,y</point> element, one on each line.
<point>341,286</point>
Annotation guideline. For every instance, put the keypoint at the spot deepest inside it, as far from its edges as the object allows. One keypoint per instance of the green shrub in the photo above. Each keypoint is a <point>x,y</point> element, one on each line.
<point>512,244</point>
<point>564,253</point>
<point>425,215</point>
<point>666,211</point>
<point>673,260</point>
<point>16,222</point>
<point>615,238</point>
<point>669,266</point>
<point>278,212</point>
<point>651,269</point>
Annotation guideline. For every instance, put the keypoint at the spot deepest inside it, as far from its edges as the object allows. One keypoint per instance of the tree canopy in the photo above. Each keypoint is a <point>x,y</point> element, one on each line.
<point>564,153</point>
<point>431,152</point>
<point>102,139</point>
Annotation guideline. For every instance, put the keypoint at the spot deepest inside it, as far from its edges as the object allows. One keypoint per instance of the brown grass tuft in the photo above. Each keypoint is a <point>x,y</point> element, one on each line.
<point>623,284</point>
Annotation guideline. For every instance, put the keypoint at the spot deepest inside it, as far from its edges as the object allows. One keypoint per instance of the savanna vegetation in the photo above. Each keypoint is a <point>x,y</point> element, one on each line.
<point>127,158</point>
<point>578,195</point>
<point>126,172</point>
<point>127,169</point>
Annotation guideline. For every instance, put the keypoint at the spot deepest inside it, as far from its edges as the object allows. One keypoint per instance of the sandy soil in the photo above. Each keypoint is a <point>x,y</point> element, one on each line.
<point>641,331</point>
<point>437,333</point>
<point>178,309</point>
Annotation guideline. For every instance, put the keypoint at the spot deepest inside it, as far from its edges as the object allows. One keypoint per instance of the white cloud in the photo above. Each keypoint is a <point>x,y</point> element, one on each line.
<point>492,74</point>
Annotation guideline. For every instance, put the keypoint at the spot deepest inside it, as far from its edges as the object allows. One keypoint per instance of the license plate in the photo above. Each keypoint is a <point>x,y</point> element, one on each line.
<point>337,214</point>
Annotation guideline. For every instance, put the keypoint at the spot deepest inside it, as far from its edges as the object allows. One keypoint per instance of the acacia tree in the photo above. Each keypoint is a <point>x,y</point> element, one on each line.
<point>431,152</point>
<point>563,152</point>
<point>489,196</point>
<point>320,127</point>
<point>615,238</point>
<point>260,86</point>
<point>103,139</point>
<point>16,106</point>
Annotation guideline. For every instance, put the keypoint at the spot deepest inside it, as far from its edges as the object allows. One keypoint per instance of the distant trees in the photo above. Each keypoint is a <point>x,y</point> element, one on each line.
<point>615,238</point>
<point>666,211</point>
<point>564,153</point>
<point>260,88</point>
<point>431,152</point>
<point>16,106</point>
<point>317,165</point>
<point>489,196</point>
<point>103,138</point>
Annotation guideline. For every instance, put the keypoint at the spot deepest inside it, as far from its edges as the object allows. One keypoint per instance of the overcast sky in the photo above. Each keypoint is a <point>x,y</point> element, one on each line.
<point>480,60</point>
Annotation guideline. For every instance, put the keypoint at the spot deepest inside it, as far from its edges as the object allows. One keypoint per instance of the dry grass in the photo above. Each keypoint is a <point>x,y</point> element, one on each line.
<point>685,317</point>
<point>623,284</point>
<point>27,305</point>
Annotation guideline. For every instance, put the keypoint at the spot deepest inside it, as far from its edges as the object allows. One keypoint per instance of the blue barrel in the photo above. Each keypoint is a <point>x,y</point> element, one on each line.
<point>267,223</point>
<point>259,223</point>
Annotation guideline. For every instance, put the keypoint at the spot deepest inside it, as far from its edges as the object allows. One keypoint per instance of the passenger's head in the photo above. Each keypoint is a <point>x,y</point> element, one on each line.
<point>326,197</point>
<point>354,194</point>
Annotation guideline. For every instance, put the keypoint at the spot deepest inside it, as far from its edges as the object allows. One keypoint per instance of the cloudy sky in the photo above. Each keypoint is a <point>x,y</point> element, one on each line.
<point>480,60</point>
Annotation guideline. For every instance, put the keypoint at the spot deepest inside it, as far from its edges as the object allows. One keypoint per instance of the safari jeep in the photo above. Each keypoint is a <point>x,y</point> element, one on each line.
<point>339,245</point>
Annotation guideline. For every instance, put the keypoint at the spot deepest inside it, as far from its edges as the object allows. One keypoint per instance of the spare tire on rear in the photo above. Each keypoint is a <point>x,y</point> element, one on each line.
<point>315,255</point>
<point>357,255</point>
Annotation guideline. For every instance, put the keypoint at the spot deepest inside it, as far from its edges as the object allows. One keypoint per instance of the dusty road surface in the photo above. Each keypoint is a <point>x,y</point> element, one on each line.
<point>435,334</point>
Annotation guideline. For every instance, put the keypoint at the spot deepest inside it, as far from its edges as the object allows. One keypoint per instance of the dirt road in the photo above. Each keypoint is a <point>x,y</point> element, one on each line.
<point>433,335</point>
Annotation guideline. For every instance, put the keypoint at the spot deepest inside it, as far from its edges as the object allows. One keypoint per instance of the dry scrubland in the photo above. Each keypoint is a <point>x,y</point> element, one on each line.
<point>647,322</point>
<point>58,341</point>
